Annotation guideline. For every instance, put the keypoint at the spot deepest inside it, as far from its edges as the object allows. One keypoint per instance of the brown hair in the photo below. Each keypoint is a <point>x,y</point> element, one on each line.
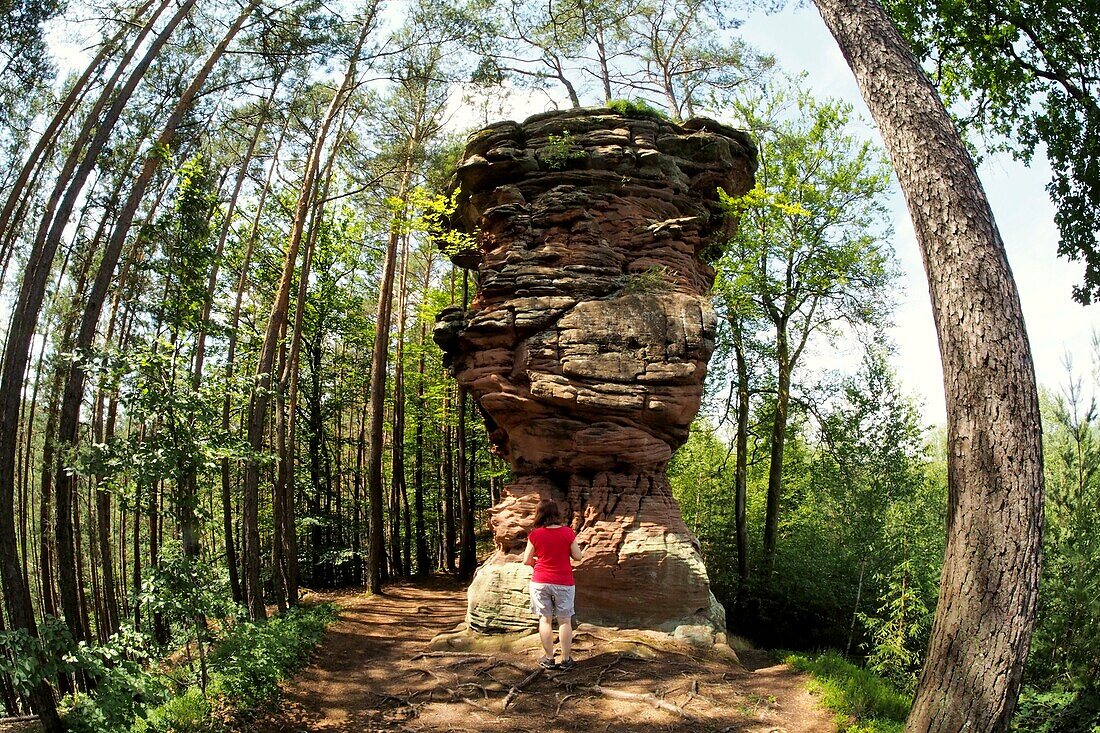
<point>547,512</point>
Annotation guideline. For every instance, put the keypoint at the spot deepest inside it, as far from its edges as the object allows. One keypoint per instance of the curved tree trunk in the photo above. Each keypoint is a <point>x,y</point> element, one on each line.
<point>422,568</point>
<point>231,558</point>
<point>24,319</point>
<point>19,191</point>
<point>286,539</point>
<point>990,581</point>
<point>73,393</point>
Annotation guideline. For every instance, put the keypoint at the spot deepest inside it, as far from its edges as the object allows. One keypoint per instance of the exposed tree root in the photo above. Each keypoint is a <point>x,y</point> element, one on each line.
<point>646,697</point>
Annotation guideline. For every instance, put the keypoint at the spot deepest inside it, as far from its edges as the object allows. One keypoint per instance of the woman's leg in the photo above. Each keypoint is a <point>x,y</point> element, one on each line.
<point>546,635</point>
<point>565,636</point>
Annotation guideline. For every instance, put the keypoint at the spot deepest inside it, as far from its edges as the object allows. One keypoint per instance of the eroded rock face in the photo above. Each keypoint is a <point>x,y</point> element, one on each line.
<point>586,346</point>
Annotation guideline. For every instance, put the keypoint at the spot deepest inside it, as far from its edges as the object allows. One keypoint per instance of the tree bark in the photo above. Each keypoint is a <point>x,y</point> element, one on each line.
<point>741,472</point>
<point>467,554</point>
<point>989,588</point>
<point>285,535</point>
<point>418,471</point>
<point>18,193</point>
<point>448,509</point>
<point>21,332</point>
<point>230,363</point>
<point>376,402</point>
<point>397,446</point>
<point>356,500</point>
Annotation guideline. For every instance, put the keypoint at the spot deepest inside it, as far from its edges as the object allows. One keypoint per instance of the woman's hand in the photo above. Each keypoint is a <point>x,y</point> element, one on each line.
<point>529,554</point>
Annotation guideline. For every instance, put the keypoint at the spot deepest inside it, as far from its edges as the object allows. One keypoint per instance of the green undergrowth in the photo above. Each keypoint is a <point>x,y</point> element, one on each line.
<point>863,702</point>
<point>244,672</point>
<point>1057,711</point>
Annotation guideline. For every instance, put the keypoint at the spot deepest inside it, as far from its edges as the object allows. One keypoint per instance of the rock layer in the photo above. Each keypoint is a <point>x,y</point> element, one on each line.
<point>586,346</point>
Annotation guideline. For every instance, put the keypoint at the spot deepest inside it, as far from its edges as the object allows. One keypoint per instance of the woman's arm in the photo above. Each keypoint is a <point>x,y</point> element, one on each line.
<point>529,554</point>
<point>575,551</point>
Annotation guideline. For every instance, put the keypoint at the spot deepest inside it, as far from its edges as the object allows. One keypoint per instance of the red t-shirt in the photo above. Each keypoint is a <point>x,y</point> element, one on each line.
<point>552,555</point>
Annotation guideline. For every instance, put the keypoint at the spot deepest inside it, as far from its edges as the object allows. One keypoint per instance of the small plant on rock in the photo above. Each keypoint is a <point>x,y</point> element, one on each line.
<point>560,150</point>
<point>656,279</point>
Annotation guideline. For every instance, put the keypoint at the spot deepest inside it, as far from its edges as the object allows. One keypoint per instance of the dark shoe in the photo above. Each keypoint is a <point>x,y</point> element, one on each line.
<point>566,664</point>
<point>549,663</point>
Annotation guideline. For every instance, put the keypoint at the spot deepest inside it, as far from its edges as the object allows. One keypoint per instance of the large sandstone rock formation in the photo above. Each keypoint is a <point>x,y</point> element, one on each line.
<point>586,345</point>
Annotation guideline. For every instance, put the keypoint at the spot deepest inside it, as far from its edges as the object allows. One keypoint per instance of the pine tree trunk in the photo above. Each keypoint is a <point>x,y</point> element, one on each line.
<point>376,405</point>
<point>989,587</point>
<point>191,545</point>
<point>741,472</point>
<point>20,189</point>
<point>21,332</point>
<point>778,442</point>
<point>286,536</point>
<point>418,470</point>
<point>73,394</point>
<point>449,529</point>
<point>376,401</point>
<point>103,521</point>
<point>467,556</point>
<point>397,445</point>
<point>357,498</point>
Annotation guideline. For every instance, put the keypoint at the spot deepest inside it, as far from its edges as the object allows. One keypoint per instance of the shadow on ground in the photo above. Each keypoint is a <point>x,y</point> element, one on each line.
<point>376,672</point>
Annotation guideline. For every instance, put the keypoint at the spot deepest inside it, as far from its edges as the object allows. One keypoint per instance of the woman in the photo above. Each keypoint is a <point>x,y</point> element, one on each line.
<point>550,547</point>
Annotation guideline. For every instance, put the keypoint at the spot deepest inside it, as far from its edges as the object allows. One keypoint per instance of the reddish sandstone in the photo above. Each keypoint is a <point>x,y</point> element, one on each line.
<point>586,345</point>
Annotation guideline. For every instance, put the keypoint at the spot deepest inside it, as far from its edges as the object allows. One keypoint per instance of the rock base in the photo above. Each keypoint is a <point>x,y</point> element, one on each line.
<point>643,643</point>
<point>641,569</point>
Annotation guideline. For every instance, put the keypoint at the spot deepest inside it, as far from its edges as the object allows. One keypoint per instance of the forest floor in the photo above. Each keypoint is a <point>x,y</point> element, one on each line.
<point>378,671</point>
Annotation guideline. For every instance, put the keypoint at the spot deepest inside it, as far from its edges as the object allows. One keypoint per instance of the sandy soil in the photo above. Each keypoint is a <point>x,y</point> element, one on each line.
<point>376,672</point>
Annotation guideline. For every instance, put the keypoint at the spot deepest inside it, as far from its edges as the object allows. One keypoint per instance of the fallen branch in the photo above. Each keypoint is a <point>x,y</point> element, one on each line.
<point>691,694</point>
<point>476,686</point>
<point>423,671</point>
<point>514,692</point>
<point>477,705</point>
<point>599,678</point>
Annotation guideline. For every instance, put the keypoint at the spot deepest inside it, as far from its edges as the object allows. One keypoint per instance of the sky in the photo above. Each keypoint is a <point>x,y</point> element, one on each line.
<point>1056,324</point>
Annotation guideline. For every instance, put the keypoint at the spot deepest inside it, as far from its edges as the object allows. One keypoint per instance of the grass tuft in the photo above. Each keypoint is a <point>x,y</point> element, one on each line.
<point>863,701</point>
<point>637,108</point>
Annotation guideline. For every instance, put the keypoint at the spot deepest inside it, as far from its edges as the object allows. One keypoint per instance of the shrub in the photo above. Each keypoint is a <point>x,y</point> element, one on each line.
<point>188,712</point>
<point>246,667</point>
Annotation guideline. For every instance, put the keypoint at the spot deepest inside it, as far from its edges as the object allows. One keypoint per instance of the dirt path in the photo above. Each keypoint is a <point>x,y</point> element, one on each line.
<point>375,672</point>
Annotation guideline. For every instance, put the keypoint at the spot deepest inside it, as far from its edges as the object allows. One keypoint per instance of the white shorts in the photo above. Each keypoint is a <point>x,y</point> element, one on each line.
<point>551,599</point>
